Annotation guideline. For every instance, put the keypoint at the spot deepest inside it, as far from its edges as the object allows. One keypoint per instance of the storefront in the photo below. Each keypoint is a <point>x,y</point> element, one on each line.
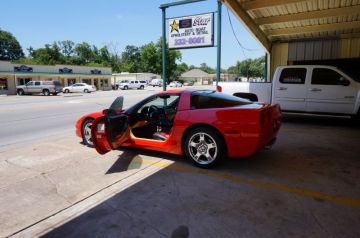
<point>12,75</point>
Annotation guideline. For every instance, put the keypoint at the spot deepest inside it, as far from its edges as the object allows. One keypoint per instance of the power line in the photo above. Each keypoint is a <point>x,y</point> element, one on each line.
<point>237,39</point>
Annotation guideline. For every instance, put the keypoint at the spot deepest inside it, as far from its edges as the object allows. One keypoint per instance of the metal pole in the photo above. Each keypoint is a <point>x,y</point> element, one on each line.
<point>218,67</point>
<point>164,47</point>
<point>266,66</point>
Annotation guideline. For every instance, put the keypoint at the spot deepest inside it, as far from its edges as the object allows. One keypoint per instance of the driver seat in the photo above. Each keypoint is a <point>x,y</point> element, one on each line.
<point>163,136</point>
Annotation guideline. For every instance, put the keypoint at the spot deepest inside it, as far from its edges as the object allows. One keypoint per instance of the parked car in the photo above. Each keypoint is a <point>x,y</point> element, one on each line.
<point>157,82</point>
<point>305,88</point>
<point>205,125</point>
<point>79,88</point>
<point>189,83</point>
<point>175,84</point>
<point>44,87</point>
<point>130,84</point>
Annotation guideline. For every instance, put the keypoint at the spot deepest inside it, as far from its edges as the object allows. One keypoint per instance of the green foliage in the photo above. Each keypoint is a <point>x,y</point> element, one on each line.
<point>204,67</point>
<point>249,68</point>
<point>10,48</point>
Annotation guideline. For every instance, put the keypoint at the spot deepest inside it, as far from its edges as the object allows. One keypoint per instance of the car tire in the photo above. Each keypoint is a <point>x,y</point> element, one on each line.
<point>55,94</point>
<point>86,90</point>
<point>20,92</point>
<point>125,87</point>
<point>46,92</point>
<point>142,87</point>
<point>86,132</point>
<point>66,91</point>
<point>204,147</point>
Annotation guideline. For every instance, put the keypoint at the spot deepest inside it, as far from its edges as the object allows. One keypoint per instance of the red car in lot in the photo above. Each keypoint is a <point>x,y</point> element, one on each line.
<point>204,125</point>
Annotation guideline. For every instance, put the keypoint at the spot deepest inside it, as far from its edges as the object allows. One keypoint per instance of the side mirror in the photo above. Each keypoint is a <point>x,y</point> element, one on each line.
<point>344,82</point>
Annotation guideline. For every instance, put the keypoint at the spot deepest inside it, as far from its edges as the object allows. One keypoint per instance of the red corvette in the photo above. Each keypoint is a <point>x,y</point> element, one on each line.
<point>205,125</point>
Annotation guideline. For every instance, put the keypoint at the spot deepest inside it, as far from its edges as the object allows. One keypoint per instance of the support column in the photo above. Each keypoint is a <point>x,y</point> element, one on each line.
<point>164,47</point>
<point>218,65</point>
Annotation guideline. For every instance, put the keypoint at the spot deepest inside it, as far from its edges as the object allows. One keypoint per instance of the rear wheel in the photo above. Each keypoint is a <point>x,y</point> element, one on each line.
<point>66,91</point>
<point>204,147</point>
<point>86,133</point>
<point>46,92</point>
<point>20,92</point>
<point>142,87</point>
<point>125,87</point>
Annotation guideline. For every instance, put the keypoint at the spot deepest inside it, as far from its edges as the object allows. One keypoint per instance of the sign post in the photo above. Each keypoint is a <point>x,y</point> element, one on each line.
<point>164,47</point>
<point>218,63</point>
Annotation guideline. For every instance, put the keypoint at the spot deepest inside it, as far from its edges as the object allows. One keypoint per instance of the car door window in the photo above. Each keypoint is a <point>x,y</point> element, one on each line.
<point>162,101</point>
<point>323,76</point>
<point>37,83</point>
<point>293,76</point>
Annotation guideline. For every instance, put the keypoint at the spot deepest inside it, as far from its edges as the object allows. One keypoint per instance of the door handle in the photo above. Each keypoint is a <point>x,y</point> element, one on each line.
<point>315,90</point>
<point>282,88</point>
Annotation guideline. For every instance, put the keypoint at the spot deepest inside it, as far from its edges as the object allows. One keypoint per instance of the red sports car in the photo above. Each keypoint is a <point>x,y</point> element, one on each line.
<point>205,125</point>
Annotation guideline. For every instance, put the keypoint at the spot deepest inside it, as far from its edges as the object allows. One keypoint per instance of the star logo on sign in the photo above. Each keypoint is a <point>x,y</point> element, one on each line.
<point>174,27</point>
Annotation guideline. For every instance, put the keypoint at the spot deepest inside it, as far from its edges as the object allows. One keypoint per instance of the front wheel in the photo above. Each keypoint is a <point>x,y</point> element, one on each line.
<point>46,92</point>
<point>20,92</point>
<point>86,90</point>
<point>86,133</point>
<point>204,147</point>
<point>141,87</point>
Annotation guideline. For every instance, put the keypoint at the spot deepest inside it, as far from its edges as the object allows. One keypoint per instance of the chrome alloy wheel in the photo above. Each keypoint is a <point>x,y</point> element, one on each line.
<point>202,148</point>
<point>87,133</point>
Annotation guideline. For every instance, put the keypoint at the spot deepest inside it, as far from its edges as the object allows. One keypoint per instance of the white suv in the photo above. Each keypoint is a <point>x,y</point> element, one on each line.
<point>128,84</point>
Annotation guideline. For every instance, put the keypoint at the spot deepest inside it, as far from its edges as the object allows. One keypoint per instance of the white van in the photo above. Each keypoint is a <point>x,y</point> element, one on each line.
<point>156,82</point>
<point>306,88</point>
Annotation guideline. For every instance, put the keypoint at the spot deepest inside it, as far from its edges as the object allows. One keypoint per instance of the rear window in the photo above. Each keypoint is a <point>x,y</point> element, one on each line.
<point>293,76</point>
<point>211,99</point>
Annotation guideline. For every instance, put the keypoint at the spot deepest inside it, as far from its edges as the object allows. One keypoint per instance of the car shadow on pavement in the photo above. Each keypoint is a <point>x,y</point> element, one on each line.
<point>131,159</point>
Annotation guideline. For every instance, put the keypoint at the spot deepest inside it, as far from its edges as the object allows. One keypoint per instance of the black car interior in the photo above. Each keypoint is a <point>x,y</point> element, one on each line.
<point>155,120</point>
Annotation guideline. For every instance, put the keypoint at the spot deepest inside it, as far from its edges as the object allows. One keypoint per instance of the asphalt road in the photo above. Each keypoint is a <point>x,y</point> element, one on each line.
<point>24,119</point>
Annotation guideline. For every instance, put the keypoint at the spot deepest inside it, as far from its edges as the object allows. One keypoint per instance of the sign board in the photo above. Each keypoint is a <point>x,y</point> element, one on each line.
<point>191,31</point>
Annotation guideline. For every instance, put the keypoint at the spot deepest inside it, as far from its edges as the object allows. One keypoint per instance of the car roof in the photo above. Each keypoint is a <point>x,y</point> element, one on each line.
<point>173,91</point>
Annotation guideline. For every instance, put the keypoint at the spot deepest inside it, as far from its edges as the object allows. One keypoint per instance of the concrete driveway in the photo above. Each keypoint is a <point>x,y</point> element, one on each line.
<point>306,186</point>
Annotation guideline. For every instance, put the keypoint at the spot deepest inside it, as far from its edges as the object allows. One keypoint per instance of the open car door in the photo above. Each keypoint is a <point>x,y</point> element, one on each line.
<point>108,132</point>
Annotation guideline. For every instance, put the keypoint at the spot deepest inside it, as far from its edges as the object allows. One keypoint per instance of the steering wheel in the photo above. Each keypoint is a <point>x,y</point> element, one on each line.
<point>154,113</point>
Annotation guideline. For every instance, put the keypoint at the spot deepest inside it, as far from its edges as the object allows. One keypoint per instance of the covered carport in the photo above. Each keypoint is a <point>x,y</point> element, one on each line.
<point>304,31</point>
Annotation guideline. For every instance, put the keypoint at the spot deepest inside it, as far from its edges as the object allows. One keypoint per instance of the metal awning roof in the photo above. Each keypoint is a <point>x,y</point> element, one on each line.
<point>286,20</point>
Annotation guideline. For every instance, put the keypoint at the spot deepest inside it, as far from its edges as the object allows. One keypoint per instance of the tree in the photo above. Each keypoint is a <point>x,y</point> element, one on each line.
<point>249,68</point>
<point>10,48</point>
<point>84,53</point>
<point>204,67</point>
<point>67,48</point>
<point>131,60</point>
<point>48,55</point>
<point>150,59</point>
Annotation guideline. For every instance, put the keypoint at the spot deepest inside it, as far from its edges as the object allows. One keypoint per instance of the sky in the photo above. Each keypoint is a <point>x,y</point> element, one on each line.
<point>119,23</point>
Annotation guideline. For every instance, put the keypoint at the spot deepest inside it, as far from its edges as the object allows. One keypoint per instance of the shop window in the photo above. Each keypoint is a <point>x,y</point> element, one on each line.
<point>71,81</point>
<point>87,81</point>
<point>23,81</point>
<point>3,84</point>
